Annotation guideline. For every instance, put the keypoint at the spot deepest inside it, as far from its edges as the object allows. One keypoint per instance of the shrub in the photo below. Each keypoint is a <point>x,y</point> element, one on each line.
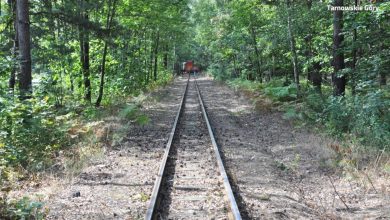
<point>31,132</point>
<point>283,93</point>
<point>244,84</point>
<point>366,116</point>
<point>21,209</point>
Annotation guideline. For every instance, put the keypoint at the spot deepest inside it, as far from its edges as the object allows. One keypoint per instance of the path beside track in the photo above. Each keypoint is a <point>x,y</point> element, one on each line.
<point>282,172</point>
<point>118,184</point>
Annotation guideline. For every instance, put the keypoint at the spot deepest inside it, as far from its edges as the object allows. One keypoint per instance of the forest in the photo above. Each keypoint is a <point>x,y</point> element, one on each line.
<point>65,63</point>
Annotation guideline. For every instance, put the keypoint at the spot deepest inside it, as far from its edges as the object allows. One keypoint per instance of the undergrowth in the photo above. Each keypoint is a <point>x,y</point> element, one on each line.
<point>36,133</point>
<point>363,119</point>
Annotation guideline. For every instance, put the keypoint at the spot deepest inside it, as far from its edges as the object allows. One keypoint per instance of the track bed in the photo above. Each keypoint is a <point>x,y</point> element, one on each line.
<point>192,185</point>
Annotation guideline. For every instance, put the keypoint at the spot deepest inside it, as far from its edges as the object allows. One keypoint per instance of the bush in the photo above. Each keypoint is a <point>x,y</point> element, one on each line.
<point>366,116</point>
<point>283,93</point>
<point>31,132</point>
<point>217,70</point>
<point>244,84</point>
<point>371,119</point>
<point>21,209</point>
<point>164,77</point>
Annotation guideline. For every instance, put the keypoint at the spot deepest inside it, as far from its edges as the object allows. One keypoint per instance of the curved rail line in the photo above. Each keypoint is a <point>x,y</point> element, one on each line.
<point>154,201</point>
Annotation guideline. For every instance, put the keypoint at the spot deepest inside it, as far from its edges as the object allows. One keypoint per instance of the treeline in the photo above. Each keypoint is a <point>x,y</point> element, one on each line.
<point>74,43</point>
<point>61,58</point>
<point>336,63</point>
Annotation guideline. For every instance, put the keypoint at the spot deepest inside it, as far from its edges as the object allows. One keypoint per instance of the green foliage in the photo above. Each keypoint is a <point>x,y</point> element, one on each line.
<point>142,120</point>
<point>283,93</point>
<point>292,114</point>
<point>247,42</point>
<point>248,85</point>
<point>31,133</point>
<point>366,116</point>
<point>131,112</point>
<point>22,209</point>
<point>164,78</point>
<point>337,115</point>
<point>371,118</point>
<point>33,130</point>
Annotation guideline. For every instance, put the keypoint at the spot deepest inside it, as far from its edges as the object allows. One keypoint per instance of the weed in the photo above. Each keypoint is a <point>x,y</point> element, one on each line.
<point>296,162</point>
<point>21,209</point>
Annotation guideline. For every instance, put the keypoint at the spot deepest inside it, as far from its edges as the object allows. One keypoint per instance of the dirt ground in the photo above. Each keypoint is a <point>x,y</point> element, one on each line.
<point>281,172</point>
<point>278,171</point>
<point>117,184</point>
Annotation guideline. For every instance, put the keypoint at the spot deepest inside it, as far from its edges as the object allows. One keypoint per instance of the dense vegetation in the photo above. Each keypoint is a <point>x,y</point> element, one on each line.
<point>335,64</point>
<point>80,54</point>
<point>63,59</point>
<point>71,59</point>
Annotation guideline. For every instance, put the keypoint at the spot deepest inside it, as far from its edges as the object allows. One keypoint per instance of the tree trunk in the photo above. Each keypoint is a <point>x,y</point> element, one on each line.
<point>354,57</point>
<point>385,63</point>
<point>273,65</point>
<point>51,22</point>
<point>236,69</point>
<point>146,57</point>
<point>339,81</point>
<point>24,77</point>
<point>316,77</point>
<point>309,3</point>
<point>292,45</point>
<point>314,69</point>
<point>156,56</point>
<point>250,75</point>
<point>110,17</point>
<point>102,74</point>
<point>84,48</point>
<point>166,56</point>
<point>12,11</point>
<point>257,53</point>
<point>150,72</point>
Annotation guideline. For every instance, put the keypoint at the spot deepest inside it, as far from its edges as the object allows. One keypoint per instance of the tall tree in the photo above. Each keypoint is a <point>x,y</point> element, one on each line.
<point>156,55</point>
<point>339,80</point>
<point>14,38</point>
<point>110,17</point>
<point>257,53</point>
<point>354,55</point>
<point>23,27</point>
<point>84,49</point>
<point>294,58</point>
<point>314,68</point>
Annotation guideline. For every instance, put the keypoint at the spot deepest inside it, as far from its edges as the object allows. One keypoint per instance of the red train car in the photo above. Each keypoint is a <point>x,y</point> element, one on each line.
<point>189,67</point>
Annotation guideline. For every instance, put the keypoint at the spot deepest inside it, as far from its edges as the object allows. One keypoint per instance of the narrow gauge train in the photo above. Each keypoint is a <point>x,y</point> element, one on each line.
<point>189,67</point>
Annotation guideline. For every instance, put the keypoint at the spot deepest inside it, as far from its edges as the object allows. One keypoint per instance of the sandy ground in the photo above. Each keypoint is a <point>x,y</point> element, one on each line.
<point>281,172</point>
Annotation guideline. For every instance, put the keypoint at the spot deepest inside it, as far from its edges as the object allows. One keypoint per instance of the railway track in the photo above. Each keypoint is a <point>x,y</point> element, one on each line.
<point>192,182</point>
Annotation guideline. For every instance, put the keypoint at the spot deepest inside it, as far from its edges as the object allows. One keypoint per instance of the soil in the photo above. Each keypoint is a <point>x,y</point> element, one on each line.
<point>282,172</point>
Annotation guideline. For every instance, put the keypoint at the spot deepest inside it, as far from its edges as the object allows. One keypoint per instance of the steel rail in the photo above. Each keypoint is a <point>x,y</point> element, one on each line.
<point>157,185</point>
<point>233,204</point>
